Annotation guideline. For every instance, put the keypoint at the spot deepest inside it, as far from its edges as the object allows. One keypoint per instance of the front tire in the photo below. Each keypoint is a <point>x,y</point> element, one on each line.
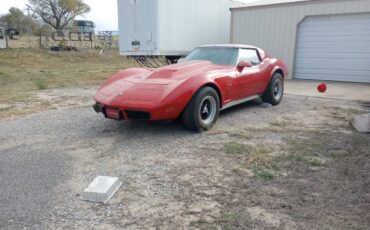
<point>275,90</point>
<point>202,111</point>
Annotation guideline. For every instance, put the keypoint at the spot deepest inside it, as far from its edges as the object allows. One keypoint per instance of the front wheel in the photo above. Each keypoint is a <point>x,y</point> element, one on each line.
<point>202,111</point>
<point>275,90</point>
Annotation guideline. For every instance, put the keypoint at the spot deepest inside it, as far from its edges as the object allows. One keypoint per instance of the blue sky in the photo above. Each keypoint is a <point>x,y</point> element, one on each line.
<point>103,12</point>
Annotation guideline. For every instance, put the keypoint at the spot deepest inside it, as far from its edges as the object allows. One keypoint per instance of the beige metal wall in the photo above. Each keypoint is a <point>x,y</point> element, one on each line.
<point>274,28</point>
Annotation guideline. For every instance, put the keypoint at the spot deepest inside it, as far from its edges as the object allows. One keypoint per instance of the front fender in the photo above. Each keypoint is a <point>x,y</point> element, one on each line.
<point>176,101</point>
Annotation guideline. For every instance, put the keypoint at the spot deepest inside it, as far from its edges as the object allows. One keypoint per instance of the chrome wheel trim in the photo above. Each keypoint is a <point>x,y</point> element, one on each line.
<point>278,90</point>
<point>207,110</point>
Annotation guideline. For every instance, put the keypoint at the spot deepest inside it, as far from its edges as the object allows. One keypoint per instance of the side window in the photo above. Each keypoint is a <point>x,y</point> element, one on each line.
<point>249,55</point>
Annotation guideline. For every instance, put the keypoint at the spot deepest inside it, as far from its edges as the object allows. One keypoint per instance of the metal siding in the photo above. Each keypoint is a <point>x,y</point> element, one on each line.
<point>281,44</point>
<point>335,47</point>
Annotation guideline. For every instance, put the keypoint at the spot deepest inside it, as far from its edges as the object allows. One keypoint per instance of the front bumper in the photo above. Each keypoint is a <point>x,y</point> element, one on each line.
<point>121,114</point>
<point>98,108</point>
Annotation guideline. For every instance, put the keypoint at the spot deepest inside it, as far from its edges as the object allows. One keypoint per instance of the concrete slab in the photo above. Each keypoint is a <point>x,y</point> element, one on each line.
<point>336,90</point>
<point>362,123</point>
<point>101,189</point>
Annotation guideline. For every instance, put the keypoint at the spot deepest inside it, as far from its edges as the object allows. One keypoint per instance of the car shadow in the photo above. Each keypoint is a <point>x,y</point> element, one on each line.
<point>130,129</point>
<point>174,127</point>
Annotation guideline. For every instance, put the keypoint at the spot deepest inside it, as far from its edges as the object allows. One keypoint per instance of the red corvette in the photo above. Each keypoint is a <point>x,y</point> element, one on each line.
<point>209,79</point>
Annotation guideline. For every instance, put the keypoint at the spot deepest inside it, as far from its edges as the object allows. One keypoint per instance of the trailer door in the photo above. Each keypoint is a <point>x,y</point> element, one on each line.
<point>138,26</point>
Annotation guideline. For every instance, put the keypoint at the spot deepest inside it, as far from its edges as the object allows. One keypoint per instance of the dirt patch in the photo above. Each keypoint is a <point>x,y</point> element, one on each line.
<point>268,218</point>
<point>47,100</point>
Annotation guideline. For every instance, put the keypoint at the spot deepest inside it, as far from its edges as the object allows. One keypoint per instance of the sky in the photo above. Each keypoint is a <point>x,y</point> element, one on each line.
<point>103,12</point>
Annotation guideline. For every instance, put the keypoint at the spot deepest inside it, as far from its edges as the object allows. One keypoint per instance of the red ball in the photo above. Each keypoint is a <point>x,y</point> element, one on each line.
<point>322,88</point>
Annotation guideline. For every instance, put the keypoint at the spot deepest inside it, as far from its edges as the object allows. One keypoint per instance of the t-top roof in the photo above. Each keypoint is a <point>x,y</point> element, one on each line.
<point>262,53</point>
<point>230,46</point>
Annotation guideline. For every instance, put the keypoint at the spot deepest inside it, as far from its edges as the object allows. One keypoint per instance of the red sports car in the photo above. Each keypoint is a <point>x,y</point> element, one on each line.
<point>211,78</point>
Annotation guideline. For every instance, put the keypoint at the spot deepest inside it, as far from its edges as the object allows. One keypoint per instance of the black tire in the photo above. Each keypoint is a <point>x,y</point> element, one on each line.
<point>275,90</point>
<point>202,111</point>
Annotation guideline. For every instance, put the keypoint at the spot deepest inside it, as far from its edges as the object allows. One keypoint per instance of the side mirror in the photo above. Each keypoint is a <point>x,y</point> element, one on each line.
<point>242,65</point>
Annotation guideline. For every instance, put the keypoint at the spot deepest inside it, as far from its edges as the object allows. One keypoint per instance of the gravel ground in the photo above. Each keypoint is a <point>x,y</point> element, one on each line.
<point>173,178</point>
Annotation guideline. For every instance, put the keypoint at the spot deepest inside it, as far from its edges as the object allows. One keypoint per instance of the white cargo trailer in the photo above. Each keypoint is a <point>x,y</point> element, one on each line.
<point>172,28</point>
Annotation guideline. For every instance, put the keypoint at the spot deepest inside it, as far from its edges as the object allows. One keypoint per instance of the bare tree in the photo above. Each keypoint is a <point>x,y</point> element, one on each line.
<point>58,13</point>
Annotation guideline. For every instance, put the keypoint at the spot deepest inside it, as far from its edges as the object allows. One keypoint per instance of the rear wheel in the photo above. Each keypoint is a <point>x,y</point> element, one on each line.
<point>202,111</point>
<point>275,90</point>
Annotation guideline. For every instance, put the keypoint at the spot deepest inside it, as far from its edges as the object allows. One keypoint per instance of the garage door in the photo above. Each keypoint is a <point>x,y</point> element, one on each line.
<point>334,48</point>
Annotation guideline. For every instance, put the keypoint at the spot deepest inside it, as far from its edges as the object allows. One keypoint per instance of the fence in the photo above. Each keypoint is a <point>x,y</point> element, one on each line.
<point>66,38</point>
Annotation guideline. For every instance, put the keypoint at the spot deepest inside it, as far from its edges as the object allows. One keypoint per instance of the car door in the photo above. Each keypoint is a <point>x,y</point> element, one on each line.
<point>247,82</point>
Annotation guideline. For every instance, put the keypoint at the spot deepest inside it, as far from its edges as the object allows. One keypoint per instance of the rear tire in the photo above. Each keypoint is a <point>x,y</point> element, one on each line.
<point>202,111</point>
<point>275,90</point>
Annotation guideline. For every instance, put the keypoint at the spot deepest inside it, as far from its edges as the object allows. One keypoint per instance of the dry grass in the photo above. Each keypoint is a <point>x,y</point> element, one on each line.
<point>265,163</point>
<point>279,123</point>
<point>24,72</point>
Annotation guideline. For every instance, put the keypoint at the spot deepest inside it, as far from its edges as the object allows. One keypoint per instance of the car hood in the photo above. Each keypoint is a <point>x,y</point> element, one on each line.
<point>167,74</point>
<point>150,86</point>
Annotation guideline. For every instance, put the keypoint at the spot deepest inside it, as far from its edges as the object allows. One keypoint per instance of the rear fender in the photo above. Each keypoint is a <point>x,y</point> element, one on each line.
<point>280,67</point>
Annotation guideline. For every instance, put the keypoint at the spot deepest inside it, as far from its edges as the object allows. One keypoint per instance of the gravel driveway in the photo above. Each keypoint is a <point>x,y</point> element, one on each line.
<point>245,173</point>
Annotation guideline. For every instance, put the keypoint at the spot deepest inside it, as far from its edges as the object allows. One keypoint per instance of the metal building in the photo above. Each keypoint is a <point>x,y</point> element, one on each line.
<point>318,39</point>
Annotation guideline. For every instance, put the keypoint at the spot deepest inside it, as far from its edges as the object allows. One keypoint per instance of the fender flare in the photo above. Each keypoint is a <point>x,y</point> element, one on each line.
<point>215,87</point>
<point>277,69</point>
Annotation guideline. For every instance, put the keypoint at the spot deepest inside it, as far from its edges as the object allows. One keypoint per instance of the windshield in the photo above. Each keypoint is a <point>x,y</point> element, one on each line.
<point>217,55</point>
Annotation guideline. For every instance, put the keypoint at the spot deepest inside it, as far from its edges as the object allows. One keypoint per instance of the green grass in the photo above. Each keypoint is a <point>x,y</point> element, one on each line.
<point>236,148</point>
<point>198,222</point>
<point>6,109</point>
<point>314,162</point>
<point>263,174</point>
<point>40,84</point>
<point>260,160</point>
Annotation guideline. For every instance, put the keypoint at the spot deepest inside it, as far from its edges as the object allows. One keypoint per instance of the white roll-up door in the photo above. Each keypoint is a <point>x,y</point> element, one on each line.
<point>334,47</point>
